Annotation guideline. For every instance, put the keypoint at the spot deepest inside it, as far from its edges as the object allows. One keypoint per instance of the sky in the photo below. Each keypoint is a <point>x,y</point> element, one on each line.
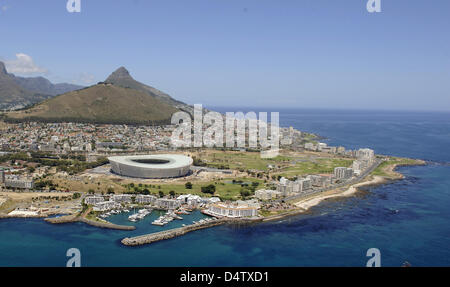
<point>251,53</point>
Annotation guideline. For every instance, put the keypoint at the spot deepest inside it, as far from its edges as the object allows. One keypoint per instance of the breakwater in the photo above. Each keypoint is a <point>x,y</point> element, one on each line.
<point>172,233</point>
<point>74,218</point>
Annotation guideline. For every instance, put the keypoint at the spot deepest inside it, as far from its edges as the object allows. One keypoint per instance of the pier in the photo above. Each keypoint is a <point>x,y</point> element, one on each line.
<point>75,218</point>
<point>172,233</point>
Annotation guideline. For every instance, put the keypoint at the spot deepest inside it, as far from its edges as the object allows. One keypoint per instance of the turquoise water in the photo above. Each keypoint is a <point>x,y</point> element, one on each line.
<point>408,220</point>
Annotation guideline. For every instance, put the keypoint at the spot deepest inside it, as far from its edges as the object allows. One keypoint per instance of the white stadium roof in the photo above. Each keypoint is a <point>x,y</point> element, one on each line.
<point>156,161</point>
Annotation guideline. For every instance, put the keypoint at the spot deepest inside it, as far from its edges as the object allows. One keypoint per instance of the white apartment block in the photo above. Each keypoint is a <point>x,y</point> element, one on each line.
<point>343,172</point>
<point>121,198</point>
<point>91,200</point>
<point>266,194</point>
<point>145,199</point>
<point>164,203</point>
<point>232,210</point>
<point>365,154</point>
<point>106,205</point>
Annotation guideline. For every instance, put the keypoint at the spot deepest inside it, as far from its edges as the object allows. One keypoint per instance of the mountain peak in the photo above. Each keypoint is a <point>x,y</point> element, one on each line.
<point>119,74</point>
<point>3,69</point>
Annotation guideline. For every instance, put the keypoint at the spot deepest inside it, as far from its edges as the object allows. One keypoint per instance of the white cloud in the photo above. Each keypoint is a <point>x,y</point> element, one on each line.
<point>4,8</point>
<point>23,64</point>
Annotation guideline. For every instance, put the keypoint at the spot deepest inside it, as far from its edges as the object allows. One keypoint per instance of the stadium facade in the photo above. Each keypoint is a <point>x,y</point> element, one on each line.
<point>151,166</point>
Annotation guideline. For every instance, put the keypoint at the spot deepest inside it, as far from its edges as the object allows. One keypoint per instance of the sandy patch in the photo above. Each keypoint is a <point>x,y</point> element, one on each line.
<point>23,213</point>
<point>310,202</point>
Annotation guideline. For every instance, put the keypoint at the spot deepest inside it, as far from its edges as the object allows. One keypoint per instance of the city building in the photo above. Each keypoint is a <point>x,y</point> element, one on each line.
<point>320,180</point>
<point>189,199</point>
<point>121,198</point>
<point>106,205</point>
<point>19,183</point>
<point>232,210</point>
<point>165,203</point>
<point>343,172</point>
<point>145,199</point>
<point>287,187</point>
<point>365,154</point>
<point>91,200</point>
<point>267,194</point>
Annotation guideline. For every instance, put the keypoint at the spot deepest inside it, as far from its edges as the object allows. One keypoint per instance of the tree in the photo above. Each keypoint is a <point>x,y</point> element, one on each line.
<point>161,194</point>
<point>211,189</point>
<point>146,191</point>
<point>172,193</point>
<point>188,185</point>
<point>245,193</point>
<point>91,191</point>
<point>110,190</point>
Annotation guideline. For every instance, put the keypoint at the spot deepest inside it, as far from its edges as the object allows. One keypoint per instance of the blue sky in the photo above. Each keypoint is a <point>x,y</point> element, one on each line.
<point>262,53</point>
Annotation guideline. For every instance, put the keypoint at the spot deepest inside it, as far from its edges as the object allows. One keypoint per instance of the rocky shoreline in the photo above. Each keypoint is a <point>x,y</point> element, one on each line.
<point>302,206</point>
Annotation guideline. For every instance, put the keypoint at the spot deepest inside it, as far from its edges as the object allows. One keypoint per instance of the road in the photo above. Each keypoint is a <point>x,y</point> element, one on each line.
<point>334,186</point>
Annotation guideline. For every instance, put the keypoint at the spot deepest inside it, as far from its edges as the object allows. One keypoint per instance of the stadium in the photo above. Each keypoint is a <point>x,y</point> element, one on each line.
<point>151,166</point>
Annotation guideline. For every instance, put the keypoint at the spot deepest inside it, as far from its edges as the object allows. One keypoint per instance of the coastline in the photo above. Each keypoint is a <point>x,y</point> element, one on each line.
<point>350,191</point>
<point>303,205</point>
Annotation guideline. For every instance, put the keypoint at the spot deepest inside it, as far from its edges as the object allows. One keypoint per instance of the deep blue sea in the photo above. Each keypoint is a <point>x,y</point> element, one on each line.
<point>408,220</point>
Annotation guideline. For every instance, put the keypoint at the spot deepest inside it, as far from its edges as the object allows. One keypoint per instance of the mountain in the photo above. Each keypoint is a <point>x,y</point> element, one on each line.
<point>41,85</point>
<point>122,78</point>
<point>18,92</point>
<point>118,100</point>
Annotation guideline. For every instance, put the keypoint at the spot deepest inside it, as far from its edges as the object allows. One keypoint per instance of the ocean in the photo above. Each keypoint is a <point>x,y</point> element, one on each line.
<point>407,220</point>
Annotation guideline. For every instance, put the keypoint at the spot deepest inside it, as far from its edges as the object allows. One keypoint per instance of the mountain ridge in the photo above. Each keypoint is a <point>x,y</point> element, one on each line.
<point>118,100</point>
<point>18,92</point>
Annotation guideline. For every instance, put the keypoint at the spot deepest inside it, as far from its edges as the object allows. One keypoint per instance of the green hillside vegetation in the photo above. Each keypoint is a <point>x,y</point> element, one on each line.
<point>102,103</point>
<point>122,78</point>
<point>381,170</point>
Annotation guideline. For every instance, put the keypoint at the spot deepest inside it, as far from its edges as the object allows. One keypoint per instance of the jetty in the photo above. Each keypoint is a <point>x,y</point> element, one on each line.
<point>81,218</point>
<point>172,233</point>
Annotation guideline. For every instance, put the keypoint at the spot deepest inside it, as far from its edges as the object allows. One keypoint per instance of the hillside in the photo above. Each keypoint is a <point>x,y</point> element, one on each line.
<point>18,92</point>
<point>122,78</point>
<point>101,103</point>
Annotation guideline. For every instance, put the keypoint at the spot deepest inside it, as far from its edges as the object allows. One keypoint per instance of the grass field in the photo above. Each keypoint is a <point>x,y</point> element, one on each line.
<point>318,166</point>
<point>240,160</point>
<point>384,168</point>
<point>225,189</point>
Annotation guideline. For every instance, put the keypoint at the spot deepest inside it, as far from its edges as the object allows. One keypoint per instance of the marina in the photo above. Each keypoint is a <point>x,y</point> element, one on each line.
<point>166,218</point>
<point>157,220</point>
<point>141,214</point>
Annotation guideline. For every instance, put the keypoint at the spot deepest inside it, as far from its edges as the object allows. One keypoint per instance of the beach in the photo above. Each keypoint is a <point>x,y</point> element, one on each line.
<point>305,204</point>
